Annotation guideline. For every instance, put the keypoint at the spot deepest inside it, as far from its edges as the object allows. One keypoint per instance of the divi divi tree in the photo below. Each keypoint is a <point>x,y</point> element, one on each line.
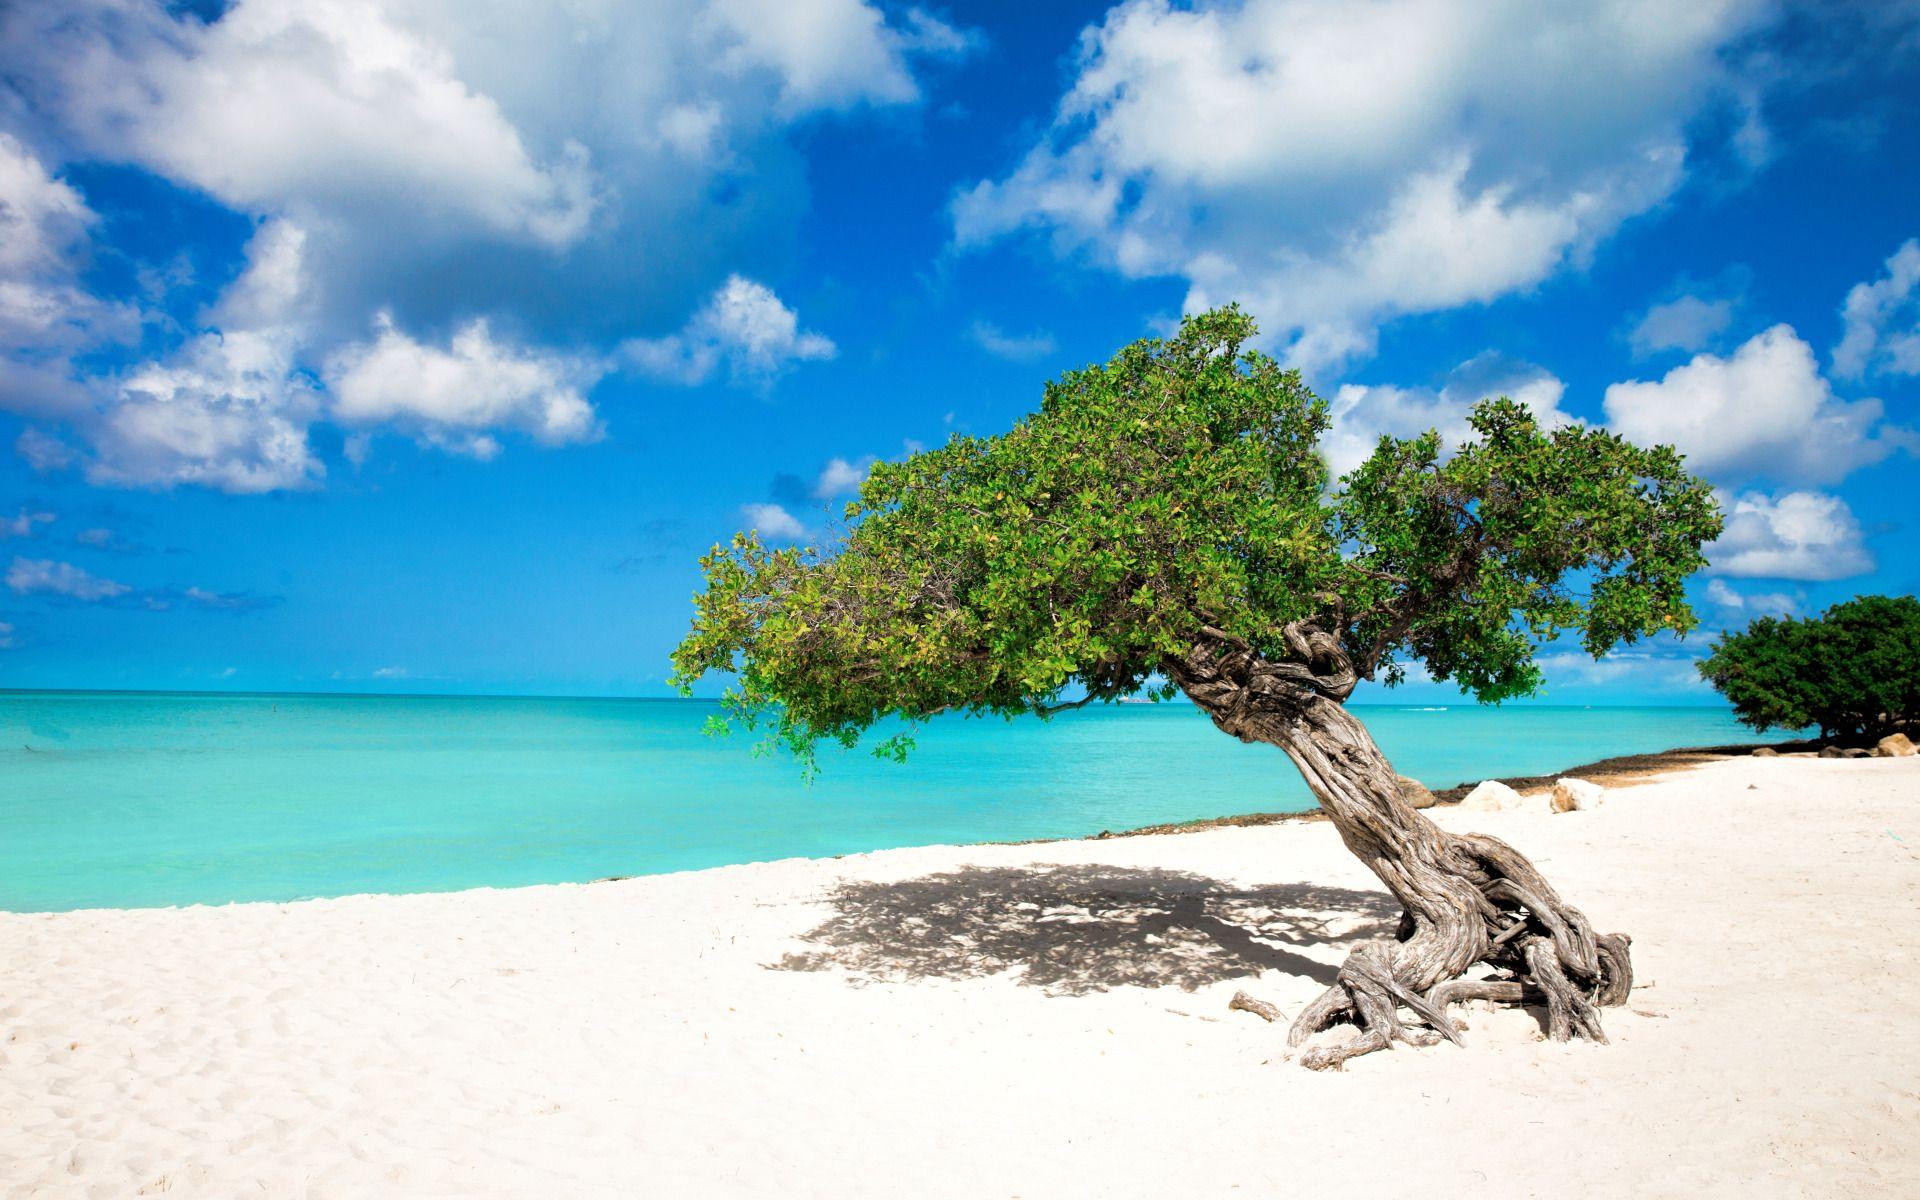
<point>1165,524</point>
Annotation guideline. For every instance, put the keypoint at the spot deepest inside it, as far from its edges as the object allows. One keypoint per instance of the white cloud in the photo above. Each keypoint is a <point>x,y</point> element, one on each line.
<point>34,314</point>
<point>227,411</point>
<point>743,325</point>
<point>1015,347</point>
<point>6,636</point>
<point>211,599</point>
<point>29,576</point>
<point>832,53</point>
<point>454,158</point>
<point>1362,414</point>
<point>45,317</point>
<point>451,397</point>
<point>1764,411</point>
<point>924,33</point>
<point>1621,669</point>
<point>273,288</point>
<point>773,522</point>
<point>283,106</point>
<point>38,381</point>
<point>451,161</point>
<point>1780,604</point>
<point>390,673</point>
<point>41,218</point>
<point>232,407</point>
<point>1792,535</point>
<point>1687,323</point>
<point>1882,321</point>
<point>841,477</point>
<point>42,451</point>
<point>22,525</point>
<point>226,408</point>
<point>1332,166</point>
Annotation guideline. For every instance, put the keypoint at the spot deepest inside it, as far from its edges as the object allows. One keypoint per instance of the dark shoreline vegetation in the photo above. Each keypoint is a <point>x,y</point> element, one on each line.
<point>1624,770</point>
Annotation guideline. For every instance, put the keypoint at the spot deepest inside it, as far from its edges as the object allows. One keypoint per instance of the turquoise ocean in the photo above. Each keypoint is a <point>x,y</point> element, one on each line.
<point>144,799</point>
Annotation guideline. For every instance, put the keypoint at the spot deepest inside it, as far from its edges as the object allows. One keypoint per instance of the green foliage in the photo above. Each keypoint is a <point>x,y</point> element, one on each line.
<point>1853,671</point>
<point>1177,490</point>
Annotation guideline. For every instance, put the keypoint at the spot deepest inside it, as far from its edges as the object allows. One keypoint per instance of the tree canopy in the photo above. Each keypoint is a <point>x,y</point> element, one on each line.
<point>1853,671</point>
<point>1174,493</point>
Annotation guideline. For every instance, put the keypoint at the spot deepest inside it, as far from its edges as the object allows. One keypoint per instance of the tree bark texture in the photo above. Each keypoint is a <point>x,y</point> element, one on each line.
<point>1467,899</point>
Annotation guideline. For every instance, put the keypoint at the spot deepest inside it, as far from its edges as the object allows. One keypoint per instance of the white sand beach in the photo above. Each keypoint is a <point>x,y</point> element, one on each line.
<point>1035,1021</point>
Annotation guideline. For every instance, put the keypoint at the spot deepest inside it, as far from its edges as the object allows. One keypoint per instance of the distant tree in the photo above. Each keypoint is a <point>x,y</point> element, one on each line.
<point>1165,524</point>
<point>1853,671</point>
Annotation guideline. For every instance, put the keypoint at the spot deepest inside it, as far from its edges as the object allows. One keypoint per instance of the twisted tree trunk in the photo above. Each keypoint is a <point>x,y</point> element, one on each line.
<point>1466,898</point>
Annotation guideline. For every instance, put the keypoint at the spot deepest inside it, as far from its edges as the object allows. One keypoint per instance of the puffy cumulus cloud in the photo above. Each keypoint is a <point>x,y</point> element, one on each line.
<point>1882,321</point>
<point>773,522</point>
<point>1793,535</point>
<point>1332,166</point>
<point>227,411</point>
<point>290,105</point>
<point>232,407</point>
<point>1764,411</point>
<point>228,408</point>
<point>841,477</point>
<point>1014,347</point>
<point>452,397</point>
<point>836,478</point>
<point>41,218</point>
<point>272,289</point>
<point>45,316</point>
<point>1361,415</point>
<point>833,53</point>
<point>1688,324</point>
<point>1759,604</point>
<point>743,326</point>
<point>45,577</point>
<point>453,162</point>
<point>452,158</point>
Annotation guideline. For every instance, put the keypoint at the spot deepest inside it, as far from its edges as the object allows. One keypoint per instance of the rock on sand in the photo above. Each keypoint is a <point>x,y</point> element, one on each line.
<point>1491,796</point>
<point>1415,793</point>
<point>1576,795</point>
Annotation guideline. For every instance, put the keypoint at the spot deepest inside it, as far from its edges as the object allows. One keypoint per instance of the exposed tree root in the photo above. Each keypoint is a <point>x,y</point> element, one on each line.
<point>1269,1013</point>
<point>1541,948</point>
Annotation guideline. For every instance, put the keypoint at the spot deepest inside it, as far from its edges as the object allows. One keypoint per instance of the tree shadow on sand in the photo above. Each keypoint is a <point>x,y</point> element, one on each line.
<point>1078,929</point>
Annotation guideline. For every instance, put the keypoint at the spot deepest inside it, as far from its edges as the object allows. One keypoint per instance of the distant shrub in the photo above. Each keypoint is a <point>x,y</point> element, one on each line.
<point>1853,671</point>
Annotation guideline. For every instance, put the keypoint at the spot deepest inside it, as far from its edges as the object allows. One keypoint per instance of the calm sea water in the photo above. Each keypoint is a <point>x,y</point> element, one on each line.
<point>142,799</point>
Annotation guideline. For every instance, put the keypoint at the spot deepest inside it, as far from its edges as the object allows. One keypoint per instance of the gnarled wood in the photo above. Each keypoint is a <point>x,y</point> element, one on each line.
<point>1467,898</point>
<point>1242,1002</point>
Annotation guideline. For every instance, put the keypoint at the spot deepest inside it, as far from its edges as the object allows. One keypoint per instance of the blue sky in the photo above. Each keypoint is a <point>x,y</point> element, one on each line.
<point>423,345</point>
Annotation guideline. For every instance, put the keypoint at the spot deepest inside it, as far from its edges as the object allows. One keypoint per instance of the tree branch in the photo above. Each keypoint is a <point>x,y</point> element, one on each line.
<point>1047,710</point>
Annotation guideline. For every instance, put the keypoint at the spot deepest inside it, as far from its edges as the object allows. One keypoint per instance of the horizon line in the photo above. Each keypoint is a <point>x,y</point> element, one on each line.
<point>1463,702</point>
